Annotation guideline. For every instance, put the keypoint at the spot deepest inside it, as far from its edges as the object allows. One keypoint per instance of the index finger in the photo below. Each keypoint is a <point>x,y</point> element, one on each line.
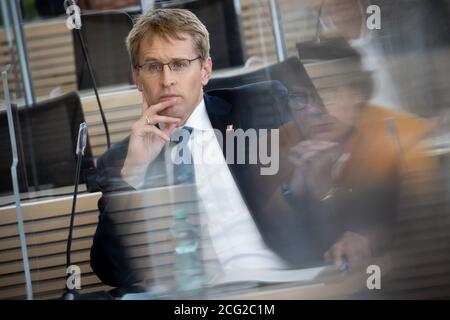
<point>158,107</point>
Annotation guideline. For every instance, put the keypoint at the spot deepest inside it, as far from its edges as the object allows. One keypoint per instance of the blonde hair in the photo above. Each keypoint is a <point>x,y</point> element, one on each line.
<point>168,23</point>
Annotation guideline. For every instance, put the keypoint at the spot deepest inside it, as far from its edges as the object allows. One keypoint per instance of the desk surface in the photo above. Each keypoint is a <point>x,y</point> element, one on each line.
<point>41,195</point>
<point>331,284</point>
<point>46,223</point>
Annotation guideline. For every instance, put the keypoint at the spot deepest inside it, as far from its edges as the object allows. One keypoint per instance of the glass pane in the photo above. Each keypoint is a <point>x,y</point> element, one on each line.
<point>360,108</point>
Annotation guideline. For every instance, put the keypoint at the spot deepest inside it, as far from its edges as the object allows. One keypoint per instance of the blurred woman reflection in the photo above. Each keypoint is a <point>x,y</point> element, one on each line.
<point>336,194</point>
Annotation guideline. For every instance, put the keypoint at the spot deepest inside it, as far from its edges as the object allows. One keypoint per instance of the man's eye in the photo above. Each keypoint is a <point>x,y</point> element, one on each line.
<point>153,67</point>
<point>179,65</point>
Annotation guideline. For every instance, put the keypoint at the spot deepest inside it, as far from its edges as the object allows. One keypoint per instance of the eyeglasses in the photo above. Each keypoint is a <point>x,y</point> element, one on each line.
<point>178,66</point>
<point>302,100</point>
<point>299,101</point>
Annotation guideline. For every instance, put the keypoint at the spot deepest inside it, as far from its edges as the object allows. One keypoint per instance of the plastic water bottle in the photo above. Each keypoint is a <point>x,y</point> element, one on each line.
<point>188,267</point>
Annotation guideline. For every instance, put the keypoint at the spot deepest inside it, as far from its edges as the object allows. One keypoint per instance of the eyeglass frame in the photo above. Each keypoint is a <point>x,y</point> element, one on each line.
<point>139,66</point>
<point>308,99</point>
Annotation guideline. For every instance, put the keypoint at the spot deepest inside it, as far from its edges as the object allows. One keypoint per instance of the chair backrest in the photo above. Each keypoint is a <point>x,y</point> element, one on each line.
<point>104,34</point>
<point>47,136</point>
<point>290,72</point>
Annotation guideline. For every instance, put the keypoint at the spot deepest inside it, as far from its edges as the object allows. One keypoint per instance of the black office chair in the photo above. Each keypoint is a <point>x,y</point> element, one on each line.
<point>6,154</point>
<point>290,72</point>
<point>104,34</point>
<point>327,49</point>
<point>46,137</point>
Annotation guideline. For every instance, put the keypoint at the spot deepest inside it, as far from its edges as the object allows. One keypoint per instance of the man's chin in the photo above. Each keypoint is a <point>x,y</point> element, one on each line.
<point>170,112</point>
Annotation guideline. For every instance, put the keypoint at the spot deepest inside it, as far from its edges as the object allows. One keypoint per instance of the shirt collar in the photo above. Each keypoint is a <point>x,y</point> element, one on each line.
<point>199,118</point>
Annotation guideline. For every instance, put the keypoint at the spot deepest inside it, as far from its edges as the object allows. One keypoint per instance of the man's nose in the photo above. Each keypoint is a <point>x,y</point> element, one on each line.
<point>167,78</point>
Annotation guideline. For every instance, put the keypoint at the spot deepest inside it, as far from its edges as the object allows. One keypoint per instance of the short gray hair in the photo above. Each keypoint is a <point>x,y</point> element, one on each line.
<point>168,23</point>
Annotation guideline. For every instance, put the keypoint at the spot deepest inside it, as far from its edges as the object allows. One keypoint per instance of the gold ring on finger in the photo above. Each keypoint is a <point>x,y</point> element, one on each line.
<point>147,119</point>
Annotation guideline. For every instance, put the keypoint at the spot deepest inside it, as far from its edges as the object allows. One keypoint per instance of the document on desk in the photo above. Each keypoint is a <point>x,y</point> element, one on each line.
<point>233,281</point>
<point>258,276</point>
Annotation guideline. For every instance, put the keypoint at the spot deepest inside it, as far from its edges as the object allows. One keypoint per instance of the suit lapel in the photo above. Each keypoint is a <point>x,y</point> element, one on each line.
<point>220,114</point>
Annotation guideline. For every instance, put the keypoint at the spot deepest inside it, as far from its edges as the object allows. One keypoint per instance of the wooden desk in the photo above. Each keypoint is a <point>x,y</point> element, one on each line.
<point>46,222</point>
<point>41,195</point>
<point>330,284</point>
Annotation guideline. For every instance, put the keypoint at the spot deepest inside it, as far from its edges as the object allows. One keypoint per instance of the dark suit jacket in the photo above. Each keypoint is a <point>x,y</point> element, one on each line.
<point>261,105</point>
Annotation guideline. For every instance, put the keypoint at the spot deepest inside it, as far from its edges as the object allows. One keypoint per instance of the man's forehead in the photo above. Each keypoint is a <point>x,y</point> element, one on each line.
<point>158,47</point>
<point>155,42</point>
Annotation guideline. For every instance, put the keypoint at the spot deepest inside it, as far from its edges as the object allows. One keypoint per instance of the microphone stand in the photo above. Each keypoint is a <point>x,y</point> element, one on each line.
<point>71,294</point>
<point>67,5</point>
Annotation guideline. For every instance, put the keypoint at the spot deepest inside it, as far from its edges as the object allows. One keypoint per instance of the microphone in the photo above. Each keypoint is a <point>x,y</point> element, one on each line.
<point>82,139</point>
<point>323,49</point>
<point>70,293</point>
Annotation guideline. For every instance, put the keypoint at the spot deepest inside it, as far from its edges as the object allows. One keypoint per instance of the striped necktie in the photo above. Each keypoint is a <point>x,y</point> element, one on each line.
<point>183,172</point>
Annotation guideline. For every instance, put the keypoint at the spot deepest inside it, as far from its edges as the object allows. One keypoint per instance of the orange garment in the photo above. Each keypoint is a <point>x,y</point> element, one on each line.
<point>376,152</point>
<point>376,148</point>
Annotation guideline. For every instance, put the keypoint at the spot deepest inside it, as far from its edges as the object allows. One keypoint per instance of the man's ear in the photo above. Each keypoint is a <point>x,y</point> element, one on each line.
<point>206,71</point>
<point>137,78</point>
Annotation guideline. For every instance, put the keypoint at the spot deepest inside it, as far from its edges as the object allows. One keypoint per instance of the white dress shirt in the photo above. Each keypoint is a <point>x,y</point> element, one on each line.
<point>235,238</point>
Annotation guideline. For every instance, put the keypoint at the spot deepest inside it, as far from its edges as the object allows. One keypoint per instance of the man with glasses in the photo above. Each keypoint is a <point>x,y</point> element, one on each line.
<point>169,52</point>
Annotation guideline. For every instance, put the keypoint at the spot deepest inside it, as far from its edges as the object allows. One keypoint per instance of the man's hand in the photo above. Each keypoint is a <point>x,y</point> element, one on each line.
<point>147,141</point>
<point>313,161</point>
<point>351,247</point>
